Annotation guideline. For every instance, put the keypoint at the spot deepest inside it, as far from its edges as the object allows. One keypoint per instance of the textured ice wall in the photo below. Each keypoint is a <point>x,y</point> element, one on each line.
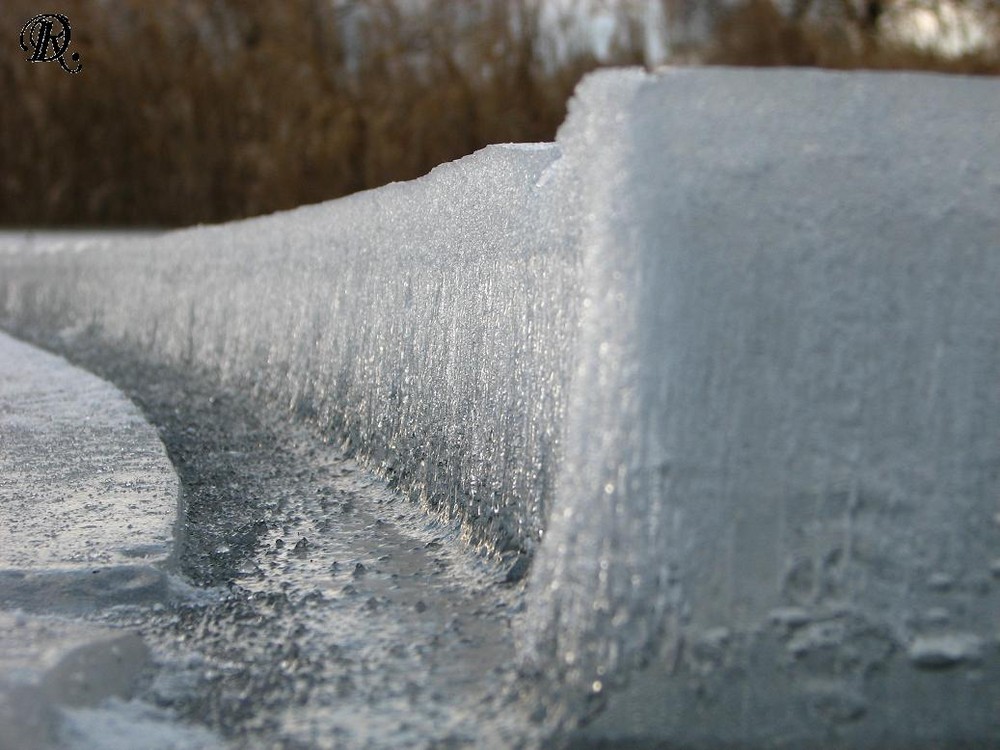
<point>781,475</point>
<point>428,322</point>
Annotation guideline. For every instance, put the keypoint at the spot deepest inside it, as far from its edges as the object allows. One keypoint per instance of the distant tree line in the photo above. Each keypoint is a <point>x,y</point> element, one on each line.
<point>194,111</point>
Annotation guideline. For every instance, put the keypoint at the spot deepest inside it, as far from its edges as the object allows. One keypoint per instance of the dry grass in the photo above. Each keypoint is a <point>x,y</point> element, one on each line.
<point>206,110</point>
<point>843,37</point>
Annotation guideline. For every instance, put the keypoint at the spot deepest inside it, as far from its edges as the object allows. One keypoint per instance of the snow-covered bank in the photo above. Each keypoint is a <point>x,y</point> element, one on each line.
<point>731,344</point>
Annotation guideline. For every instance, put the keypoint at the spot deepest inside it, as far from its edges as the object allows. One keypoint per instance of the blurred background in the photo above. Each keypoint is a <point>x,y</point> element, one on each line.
<point>191,111</point>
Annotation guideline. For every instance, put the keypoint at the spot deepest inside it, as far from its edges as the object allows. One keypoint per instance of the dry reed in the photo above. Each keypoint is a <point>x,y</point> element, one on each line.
<point>194,111</point>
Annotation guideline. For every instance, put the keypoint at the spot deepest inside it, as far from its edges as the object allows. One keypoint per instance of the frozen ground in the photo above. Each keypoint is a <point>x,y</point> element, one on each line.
<point>294,644</point>
<point>716,371</point>
<point>328,613</point>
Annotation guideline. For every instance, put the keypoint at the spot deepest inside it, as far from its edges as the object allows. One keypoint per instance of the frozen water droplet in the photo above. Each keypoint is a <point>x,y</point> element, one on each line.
<point>940,582</point>
<point>837,703</point>
<point>790,617</point>
<point>945,651</point>
<point>518,570</point>
<point>937,616</point>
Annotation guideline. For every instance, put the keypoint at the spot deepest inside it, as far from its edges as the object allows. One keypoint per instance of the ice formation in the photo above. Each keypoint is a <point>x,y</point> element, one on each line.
<point>427,323</point>
<point>723,359</point>
<point>781,464</point>
<point>72,449</point>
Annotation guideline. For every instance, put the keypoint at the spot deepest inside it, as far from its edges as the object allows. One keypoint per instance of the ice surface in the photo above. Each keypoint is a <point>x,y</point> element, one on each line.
<point>88,497</point>
<point>48,665</point>
<point>786,396</point>
<point>731,344</point>
<point>64,684</point>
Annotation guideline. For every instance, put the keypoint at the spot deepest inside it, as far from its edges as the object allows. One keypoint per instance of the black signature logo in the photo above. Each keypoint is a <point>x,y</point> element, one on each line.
<point>48,35</point>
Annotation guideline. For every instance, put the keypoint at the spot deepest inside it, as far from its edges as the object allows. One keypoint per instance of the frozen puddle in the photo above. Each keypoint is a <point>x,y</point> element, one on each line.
<point>359,623</point>
<point>355,620</point>
<point>69,684</point>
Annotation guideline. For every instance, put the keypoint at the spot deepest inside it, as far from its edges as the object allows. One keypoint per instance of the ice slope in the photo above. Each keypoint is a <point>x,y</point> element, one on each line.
<point>728,349</point>
<point>781,473</point>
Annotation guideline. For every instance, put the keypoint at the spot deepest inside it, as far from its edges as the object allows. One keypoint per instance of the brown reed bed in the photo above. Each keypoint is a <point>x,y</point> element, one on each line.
<point>194,111</point>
